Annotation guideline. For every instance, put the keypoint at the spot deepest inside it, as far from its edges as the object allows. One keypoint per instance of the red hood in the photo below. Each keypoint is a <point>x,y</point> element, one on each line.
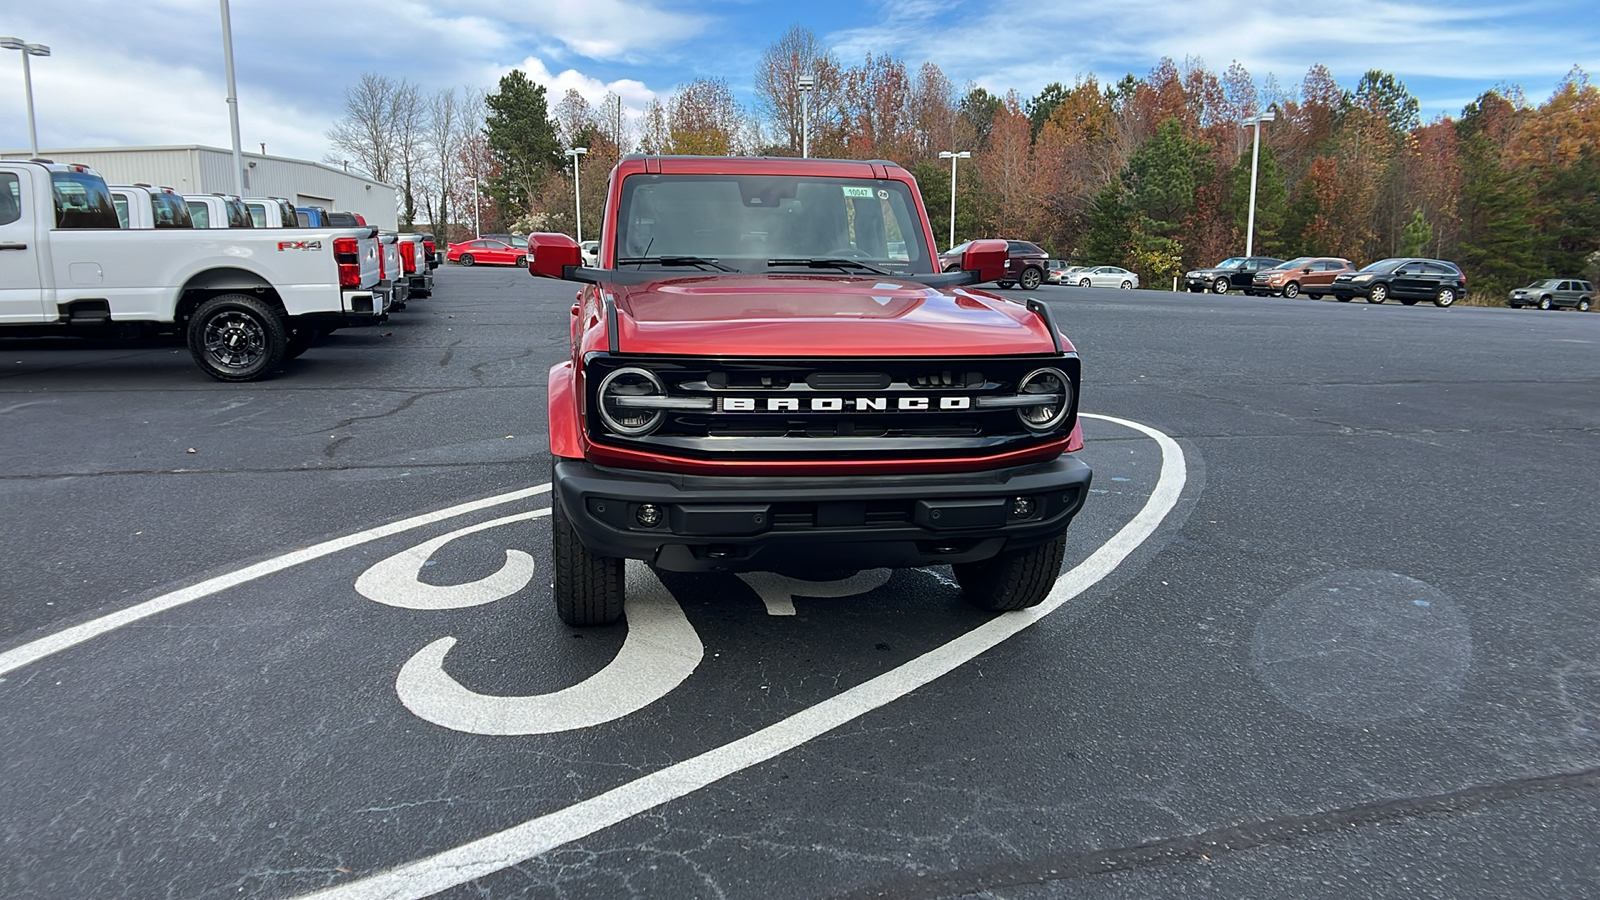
<point>810,315</point>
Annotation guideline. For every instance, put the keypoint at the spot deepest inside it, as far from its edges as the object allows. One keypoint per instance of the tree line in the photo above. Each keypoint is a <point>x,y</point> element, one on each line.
<point>1150,172</point>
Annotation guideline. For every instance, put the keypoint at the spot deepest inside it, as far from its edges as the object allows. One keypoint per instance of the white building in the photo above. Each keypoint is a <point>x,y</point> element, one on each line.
<point>206,170</point>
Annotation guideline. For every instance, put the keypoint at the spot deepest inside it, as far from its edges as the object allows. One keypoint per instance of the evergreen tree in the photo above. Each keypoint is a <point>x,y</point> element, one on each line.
<point>1043,105</point>
<point>1417,234</point>
<point>1109,238</point>
<point>522,140</point>
<point>1161,178</point>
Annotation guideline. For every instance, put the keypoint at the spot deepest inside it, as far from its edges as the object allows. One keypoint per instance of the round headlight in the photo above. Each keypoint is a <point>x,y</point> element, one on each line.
<point>1055,399</point>
<point>630,384</point>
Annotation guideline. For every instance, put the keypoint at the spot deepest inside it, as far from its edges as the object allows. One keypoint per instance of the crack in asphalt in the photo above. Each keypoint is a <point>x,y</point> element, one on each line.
<point>1210,844</point>
<point>449,353</point>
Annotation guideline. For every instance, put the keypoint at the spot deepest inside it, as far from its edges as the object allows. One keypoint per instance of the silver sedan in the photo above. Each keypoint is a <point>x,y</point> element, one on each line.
<point>1106,276</point>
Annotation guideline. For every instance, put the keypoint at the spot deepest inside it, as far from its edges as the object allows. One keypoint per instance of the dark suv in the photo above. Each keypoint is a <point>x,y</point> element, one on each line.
<point>1406,279</point>
<point>1230,274</point>
<point>1026,263</point>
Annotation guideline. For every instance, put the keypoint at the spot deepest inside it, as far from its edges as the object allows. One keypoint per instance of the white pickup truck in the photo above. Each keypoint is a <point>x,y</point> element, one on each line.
<point>271,212</point>
<point>148,206</point>
<point>245,299</point>
<point>218,211</point>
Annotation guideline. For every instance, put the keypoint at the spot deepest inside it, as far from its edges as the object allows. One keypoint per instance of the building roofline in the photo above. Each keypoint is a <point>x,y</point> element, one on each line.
<point>53,152</point>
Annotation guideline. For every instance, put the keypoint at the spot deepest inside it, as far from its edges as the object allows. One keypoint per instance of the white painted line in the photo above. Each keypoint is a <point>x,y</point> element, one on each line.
<point>33,651</point>
<point>518,843</point>
<point>659,652</point>
<point>778,591</point>
<point>394,582</point>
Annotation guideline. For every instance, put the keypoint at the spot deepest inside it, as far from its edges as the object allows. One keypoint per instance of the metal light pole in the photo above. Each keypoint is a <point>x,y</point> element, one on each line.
<point>577,195</point>
<point>953,156</point>
<point>806,84</point>
<point>11,43</point>
<point>1255,161</point>
<point>477,203</point>
<point>233,100</point>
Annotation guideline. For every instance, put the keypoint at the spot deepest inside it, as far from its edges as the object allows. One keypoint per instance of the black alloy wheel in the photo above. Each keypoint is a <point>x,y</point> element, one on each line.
<point>466,259</point>
<point>236,337</point>
<point>1291,291</point>
<point>522,262</point>
<point>1031,279</point>
<point>1378,294</point>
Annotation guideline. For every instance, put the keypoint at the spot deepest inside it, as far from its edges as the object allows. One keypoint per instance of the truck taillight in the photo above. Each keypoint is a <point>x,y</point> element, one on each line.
<point>347,253</point>
<point>383,262</point>
<point>408,257</point>
<point>430,247</point>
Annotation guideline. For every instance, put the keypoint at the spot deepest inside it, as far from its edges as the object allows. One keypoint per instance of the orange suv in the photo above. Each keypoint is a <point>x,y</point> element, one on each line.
<point>1310,275</point>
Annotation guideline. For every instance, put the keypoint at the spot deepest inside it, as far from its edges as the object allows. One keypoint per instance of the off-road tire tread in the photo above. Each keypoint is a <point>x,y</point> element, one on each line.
<point>1012,581</point>
<point>589,589</point>
<point>277,337</point>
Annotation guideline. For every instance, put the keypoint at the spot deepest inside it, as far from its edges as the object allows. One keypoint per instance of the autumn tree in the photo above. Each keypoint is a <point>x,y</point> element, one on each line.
<point>799,52</point>
<point>704,119</point>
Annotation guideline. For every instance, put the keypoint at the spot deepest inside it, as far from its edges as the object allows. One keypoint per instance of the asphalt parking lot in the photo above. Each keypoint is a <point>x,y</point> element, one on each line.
<point>1327,629</point>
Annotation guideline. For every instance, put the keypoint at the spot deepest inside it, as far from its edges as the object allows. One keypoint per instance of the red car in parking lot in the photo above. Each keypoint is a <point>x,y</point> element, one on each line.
<point>470,253</point>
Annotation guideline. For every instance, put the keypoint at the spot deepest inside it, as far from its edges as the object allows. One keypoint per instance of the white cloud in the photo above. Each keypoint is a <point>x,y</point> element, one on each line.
<point>634,94</point>
<point>610,29</point>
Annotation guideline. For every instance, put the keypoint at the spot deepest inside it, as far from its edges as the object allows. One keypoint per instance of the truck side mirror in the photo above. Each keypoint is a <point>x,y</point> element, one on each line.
<point>551,255</point>
<point>987,258</point>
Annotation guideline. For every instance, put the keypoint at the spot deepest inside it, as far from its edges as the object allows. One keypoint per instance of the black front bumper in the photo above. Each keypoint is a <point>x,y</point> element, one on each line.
<point>736,524</point>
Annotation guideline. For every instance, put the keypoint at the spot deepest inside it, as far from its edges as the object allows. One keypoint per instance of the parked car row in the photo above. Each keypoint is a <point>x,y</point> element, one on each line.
<point>1407,279</point>
<point>88,260</point>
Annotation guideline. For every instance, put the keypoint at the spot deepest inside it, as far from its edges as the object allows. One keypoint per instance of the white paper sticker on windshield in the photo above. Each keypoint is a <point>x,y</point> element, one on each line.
<point>858,192</point>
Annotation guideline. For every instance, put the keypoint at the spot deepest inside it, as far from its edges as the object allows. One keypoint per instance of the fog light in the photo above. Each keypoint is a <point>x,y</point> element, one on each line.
<point>649,515</point>
<point>1022,507</point>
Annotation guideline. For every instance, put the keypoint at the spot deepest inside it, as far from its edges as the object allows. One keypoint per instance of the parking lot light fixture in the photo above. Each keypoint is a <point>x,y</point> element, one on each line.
<point>1255,161</point>
<point>806,84</point>
<point>953,156</point>
<point>13,43</point>
<point>577,195</point>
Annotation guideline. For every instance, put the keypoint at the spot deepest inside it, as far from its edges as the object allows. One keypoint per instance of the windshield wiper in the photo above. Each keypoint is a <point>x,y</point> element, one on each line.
<point>700,261</point>
<point>823,263</point>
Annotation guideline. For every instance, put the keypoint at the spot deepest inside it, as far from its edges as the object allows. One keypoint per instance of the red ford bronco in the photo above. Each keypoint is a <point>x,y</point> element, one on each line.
<point>770,372</point>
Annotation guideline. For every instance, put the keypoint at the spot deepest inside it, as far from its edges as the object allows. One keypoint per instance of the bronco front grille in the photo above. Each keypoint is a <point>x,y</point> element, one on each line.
<point>828,408</point>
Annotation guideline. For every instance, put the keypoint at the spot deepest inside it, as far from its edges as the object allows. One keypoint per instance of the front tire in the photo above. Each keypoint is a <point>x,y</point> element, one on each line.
<point>1085,283</point>
<point>589,589</point>
<point>1544,302</point>
<point>235,337</point>
<point>1220,286</point>
<point>466,260</point>
<point>1291,291</point>
<point>1379,293</point>
<point>1031,278</point>
<point>1015,580</point>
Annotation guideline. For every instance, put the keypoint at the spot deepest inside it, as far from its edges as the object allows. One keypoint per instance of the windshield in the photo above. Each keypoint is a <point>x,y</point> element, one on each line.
<point>1549,283</point>
<point>1293,263</point>
<point>748,222</point>
<point>1236,263</point>
<point>1383,265</point>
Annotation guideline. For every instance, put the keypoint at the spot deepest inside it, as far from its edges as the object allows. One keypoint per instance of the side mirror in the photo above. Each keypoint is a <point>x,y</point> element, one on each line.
<point>987,258</point>
<point>551,255</point>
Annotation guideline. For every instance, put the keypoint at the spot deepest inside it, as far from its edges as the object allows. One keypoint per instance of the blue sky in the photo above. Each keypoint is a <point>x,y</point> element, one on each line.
<point>150,72</point>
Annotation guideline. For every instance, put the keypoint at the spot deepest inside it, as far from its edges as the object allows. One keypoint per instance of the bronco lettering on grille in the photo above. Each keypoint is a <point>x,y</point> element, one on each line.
<point>841,404</point>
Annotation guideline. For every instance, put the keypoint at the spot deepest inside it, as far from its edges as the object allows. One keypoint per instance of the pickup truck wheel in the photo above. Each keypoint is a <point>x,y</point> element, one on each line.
<point>1031,279</point>
<point>588,588</point>
<point>1015,580</point>
<point>236,337</point>
<point>465,260</point>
